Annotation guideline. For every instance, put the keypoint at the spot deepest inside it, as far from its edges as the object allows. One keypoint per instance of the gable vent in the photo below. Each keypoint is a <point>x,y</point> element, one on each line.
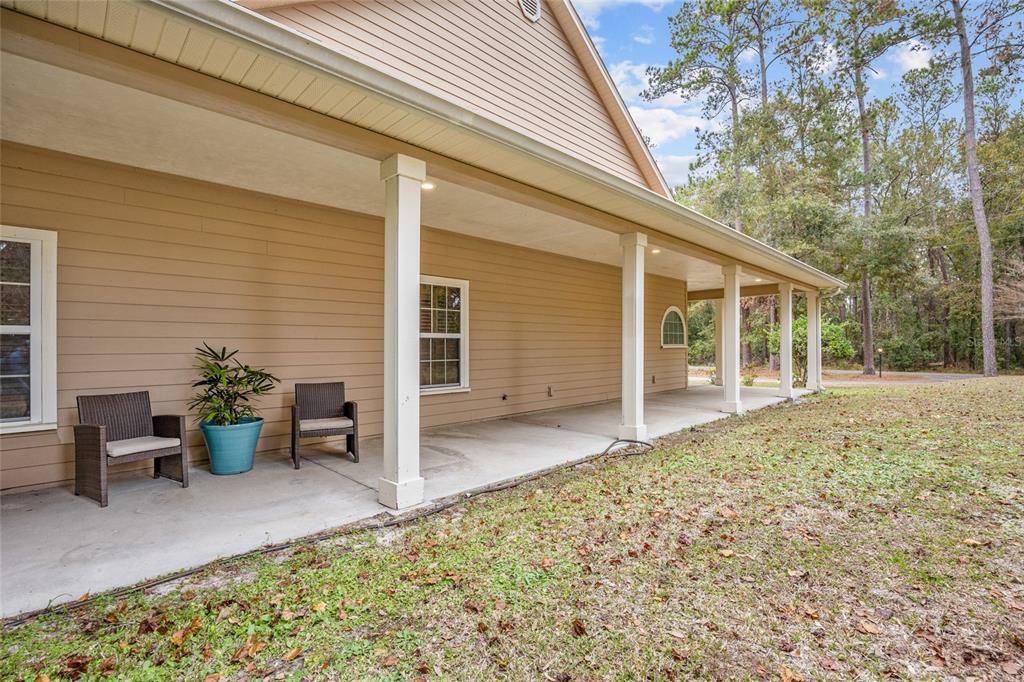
<point>531,9</point>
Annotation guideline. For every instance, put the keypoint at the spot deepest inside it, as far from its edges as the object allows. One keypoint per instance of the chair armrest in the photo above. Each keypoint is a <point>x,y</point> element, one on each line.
<point>351,410</point>
<point>169,426</point>
<point>90,439</point>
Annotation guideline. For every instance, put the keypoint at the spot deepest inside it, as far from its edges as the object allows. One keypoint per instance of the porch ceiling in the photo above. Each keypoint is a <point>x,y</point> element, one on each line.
<point>97,118</point>
<point>233,45</point>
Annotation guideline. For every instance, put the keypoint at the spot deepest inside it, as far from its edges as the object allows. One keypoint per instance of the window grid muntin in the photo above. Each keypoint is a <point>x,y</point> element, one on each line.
<point>443,316</point>
<point>33,408</point>
<point>673,329</point>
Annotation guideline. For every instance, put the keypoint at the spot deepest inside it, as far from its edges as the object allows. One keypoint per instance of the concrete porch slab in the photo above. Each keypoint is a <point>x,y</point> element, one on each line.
<point>54,546</point>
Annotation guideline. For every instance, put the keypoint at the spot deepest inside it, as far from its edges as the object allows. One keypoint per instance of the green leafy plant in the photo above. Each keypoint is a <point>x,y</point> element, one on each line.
<point>226,387</point>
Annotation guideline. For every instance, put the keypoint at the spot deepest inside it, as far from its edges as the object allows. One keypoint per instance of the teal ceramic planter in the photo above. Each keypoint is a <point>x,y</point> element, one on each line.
<point>232,447</point>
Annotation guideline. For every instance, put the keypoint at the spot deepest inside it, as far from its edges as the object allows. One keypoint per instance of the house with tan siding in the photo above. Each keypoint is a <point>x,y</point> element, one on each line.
<point>306,181</point>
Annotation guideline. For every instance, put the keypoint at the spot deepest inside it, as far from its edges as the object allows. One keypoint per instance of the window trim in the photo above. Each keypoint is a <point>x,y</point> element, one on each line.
<point>686,330</point>
<point>43,329</point>
<point>463,385</point>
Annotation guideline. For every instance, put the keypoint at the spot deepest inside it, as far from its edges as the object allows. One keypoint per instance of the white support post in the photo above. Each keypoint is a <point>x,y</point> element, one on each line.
<point>813,341</point>
<point>731,340</point>
<point>718,307</point>
<point>633,250</point>
<point>401,486</point>
<point>786,340</point>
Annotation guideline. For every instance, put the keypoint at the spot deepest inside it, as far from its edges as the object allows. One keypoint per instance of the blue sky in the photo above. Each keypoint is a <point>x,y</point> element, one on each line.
<point>632,34</point>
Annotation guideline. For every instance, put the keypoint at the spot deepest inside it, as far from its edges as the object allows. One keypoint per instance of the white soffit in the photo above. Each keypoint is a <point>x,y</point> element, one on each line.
<point>231,43</point>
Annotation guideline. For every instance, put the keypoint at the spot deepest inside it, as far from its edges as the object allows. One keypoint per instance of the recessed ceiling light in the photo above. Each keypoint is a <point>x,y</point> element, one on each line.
<point>428,185</point>
<point>655,250</point>
<point>758,279</point>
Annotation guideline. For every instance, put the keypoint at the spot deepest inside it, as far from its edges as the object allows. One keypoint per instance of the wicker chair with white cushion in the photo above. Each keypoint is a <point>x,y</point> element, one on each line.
<point>321,410</point>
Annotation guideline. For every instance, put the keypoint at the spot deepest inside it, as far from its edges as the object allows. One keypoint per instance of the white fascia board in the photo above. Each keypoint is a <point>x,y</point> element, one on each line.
<point>231,18</point>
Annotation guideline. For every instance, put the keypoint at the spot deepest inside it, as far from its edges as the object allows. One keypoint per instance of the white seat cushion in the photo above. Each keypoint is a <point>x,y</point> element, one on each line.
<point>129,446</point>
<point>324,424</point>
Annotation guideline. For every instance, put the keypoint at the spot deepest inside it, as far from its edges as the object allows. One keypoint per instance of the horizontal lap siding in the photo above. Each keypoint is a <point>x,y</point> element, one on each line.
<point>151,265</point>
<point>485,56</point>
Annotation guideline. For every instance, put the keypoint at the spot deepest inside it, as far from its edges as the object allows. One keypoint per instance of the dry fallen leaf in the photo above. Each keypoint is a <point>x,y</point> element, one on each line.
<point>292,654</point>
<point>319,607</point>
<point>390,662</point>
<point>578,628</point>
<point>726,552</point>
<point>789,675</point>
<point>868,628</point>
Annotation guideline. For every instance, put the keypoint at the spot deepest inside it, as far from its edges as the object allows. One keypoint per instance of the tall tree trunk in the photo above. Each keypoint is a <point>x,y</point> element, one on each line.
<point>988,334</point>
<point>867,323</point>
<point>737,176</point>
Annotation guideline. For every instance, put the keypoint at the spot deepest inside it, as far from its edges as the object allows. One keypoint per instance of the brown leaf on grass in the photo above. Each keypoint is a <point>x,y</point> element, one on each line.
<point>972,542</point>
<point>390,662</point>
<point>787,674</point>
<point>726,552</point>
<point>578,628</point>
<point>422,667</point>
<point>729,513</point>
<point>499,605</point>
<point>107,666</point>
<point>42,677</point>
<point>251,647</point>
<point>319,607</point>
<point>867,627</point>
<point>1011,668</point>
<point>473,606</point>
<point>831,664</point>
<point>287,614</point>
<point>212,677</point>
<point>547,563</point>
<point>179,637</point>
<point>73,665</point>
<point>481,627</point>
<point>292,654</point>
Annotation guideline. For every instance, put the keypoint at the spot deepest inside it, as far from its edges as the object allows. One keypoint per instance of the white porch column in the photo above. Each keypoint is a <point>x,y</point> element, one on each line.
<point>785,340</point>
<point>401,486</point>
<point>813,341</point>
<point>731,340</point>
<point>633,250</point>
<point>718,307</point>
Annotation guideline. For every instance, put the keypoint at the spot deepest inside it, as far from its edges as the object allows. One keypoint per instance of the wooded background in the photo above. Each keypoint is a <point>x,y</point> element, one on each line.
<point>916,198</point>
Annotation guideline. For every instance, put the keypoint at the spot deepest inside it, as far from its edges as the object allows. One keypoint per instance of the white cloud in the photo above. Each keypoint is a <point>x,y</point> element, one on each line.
<point>590,10</point>
<point>826,57</point>
<point>675,168</point>
<point>662,124</point>
<point>748,56</point>
<point>645,35</point>
<point>912,55</point>
<point>631,79</point>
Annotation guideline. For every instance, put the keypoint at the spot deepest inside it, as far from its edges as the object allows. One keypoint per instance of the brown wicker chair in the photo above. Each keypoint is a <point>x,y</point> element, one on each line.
<point>321,410</point>
<point>119,428</point>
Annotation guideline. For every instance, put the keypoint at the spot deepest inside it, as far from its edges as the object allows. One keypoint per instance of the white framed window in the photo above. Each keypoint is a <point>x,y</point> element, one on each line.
<point>444,335</point>
<point>28,329</point>
<point>673,329</point>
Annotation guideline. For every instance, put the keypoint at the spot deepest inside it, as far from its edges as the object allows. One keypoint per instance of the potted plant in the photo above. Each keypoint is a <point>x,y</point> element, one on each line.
<point>229,422</point>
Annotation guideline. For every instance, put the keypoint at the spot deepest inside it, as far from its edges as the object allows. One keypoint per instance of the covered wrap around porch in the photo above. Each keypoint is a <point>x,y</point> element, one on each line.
<point>189,209</point>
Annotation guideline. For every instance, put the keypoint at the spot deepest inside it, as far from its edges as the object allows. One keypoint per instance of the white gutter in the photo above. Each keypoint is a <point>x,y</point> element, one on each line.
<point>231,18</point>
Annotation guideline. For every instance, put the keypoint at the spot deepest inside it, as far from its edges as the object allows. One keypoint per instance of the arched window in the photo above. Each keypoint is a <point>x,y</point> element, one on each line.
<point>673,329</point>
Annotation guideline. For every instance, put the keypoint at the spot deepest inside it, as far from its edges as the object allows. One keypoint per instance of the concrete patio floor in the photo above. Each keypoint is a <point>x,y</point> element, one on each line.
<point>54,546</point>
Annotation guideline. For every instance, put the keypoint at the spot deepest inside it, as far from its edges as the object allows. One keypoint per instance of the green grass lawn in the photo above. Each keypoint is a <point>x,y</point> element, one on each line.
<point>874,532</point>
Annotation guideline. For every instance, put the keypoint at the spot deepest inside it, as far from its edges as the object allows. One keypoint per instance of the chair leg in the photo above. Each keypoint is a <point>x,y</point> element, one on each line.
<point>174,467</point>
<point>91,476</point>
<point>295,449</point>
<point>352,442</point>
